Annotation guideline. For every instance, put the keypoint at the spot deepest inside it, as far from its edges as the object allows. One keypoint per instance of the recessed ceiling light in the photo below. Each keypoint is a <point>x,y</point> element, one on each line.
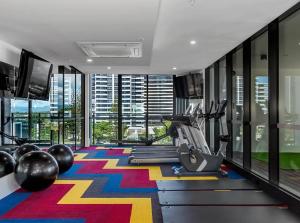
<point>299,43</point>
<point>108,68</point>
<point>89,60</point>
<point>193,42</point>
<point>174,68</point>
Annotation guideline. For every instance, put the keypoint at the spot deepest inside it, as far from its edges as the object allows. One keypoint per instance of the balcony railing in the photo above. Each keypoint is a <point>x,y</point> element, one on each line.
<point>45,128</point>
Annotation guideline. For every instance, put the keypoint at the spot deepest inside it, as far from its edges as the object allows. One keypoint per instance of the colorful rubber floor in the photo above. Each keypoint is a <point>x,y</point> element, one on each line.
<point>100,187</point>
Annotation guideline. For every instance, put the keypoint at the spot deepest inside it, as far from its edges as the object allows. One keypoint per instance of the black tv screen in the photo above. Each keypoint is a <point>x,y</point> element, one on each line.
<point>181,89</point>
<point>190,85</point>
<point>198,83</point>
<point>33,79</point>
<point>7,80</point>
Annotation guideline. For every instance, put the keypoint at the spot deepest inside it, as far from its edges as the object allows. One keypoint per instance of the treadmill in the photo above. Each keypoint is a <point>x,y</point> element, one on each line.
<point>166,154</point>
<point>159,149</point>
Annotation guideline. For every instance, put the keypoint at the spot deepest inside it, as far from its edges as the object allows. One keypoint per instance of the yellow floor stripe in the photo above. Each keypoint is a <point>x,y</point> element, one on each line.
<point>141,207</point>
<point>154,171</point>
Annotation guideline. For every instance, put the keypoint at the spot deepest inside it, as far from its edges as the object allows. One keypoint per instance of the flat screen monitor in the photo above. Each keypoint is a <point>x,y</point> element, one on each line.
<point>7,80</point>
<point>181,89</point>
<point>33,81</point>
<point>198,83</point>
<point>190,85</point>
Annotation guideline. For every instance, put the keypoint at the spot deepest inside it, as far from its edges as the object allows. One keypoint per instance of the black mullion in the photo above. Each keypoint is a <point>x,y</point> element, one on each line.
<point>29,119</point>
<point>147,107</point>
<point>247,104</point>
<point>174,98</point>
<point>120,133</point>
<point>2,120</point>
<point>75,113</point>
<point>82,119</point>
<point>216,94</point>
<point>39,126</point>
<point>207,104</point>
<point>273,68</point>
<point>174,105</point>
<point>63,110</point>
<point>229,152</point>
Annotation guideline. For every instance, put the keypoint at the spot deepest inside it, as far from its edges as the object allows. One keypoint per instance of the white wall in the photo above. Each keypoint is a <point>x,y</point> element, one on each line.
<point>11,55</point>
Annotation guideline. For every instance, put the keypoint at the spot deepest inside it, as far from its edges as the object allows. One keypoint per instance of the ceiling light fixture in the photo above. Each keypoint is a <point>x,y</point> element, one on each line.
<point>89,60</point>
<point>193,42</point>
<point>174,68</point>
<point>108,68</point>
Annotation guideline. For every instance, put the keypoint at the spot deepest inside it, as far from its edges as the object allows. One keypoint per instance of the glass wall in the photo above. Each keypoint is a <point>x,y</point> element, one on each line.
<point>41,122</point>
<point>69,113</point>
<point>160,102</point>
<point>259,105</point>
<point>222,80</point>
<point>289,103</point>
<point>237,106</point>
<point>212,99</point>
<point>15,116</point>
<point>104,108</point>
<point>48,122</point>
<point>273,65</point>
<point>223,94</point>
<point>145,98</point>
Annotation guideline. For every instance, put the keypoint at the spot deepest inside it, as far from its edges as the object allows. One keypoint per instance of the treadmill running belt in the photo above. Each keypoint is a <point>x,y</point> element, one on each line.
<point>221,184</point>
<point>156,155</point>
<point>145,148</point>
<point>216,198</point>
<point>233,214</point>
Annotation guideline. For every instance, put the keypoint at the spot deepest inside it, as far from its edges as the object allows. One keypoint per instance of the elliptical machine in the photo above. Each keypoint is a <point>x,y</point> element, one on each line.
<point>195,160</point>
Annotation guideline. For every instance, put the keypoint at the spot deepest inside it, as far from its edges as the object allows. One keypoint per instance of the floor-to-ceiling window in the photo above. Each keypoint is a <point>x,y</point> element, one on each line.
<point>103,108</point>
<point>212,99</point>
<point>40,121</point>
<point>259,105</point>
<point>144,100</point>
<point>48,122</point>
<point>222,80</point>
<point>69,108</point>
<point>223,94</point>
<point>160,102</point>
<point>15,118</point>
<point>237,105</point>
<point>133,108</point>
<point>289,103</point>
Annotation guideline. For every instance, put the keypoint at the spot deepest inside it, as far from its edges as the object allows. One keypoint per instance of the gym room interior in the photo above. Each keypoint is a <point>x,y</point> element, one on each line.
<point>149,111</point>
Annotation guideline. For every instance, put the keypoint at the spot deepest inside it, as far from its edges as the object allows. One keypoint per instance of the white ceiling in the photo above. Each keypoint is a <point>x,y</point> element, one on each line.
<point>52,28</point>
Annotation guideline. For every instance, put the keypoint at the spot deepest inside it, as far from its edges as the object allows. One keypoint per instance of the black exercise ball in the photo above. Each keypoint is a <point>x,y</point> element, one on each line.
<point>7,150</point>
<point>23,149</point>
<point>63,155</point>
<point>7,164</point>
<point>36,171</point>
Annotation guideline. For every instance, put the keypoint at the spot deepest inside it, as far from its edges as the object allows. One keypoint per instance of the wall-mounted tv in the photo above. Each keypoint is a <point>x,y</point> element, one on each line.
<point>181,89</point>
<point>189,86</point>
<point>7,80</point>
<point>33,80</point>
<point>198,84</point>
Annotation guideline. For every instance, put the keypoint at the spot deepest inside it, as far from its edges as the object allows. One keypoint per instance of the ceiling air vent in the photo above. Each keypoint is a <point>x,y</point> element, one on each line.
<point>112,49</point>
